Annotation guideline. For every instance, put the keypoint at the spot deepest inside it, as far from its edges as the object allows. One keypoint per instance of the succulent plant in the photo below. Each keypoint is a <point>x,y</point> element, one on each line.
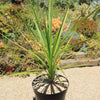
<point>88,28</point>
<point>77,47</point>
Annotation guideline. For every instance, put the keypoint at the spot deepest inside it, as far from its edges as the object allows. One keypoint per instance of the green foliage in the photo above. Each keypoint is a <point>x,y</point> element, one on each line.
<point>96,17</point>
<point>64,3</point>
<point>13,59</point>
<point>94,52</point>
<point>85,1</point>
<point>95,4</point>
<point>18,2</point>
<point>80,11</point>
<point>3,9</point>
<point>61,3</point>
<point>4,27</point>
<point>4,1</point>
<point>7,29</point>
<point>10,24</point>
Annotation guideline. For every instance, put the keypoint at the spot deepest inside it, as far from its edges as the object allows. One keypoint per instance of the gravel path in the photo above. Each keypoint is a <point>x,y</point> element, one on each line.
<point>84,85</point>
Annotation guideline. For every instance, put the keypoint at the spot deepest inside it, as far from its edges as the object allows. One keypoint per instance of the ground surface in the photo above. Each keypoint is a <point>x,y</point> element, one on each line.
<point>84,85</point>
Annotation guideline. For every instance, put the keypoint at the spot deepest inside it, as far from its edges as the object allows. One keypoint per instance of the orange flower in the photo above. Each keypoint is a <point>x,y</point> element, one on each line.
<point>1,44</point>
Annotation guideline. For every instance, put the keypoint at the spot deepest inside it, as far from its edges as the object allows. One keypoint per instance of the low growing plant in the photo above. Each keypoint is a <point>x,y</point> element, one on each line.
<point>88,28</point>
<point>56,24</point>
<point>77,47</point>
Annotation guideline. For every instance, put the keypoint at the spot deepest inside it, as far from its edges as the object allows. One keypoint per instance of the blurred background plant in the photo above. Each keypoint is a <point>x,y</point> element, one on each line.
<point>56,24</point>
<point>80,11</point>
<point>17,2</point>
<point>88,28</point>
<point>94,52</point>
<point>77,47</point>
<point>4,2</point>
<point>13,59</point>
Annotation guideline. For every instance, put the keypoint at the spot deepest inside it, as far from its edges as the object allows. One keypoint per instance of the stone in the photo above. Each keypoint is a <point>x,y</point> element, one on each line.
<point>80,62</point>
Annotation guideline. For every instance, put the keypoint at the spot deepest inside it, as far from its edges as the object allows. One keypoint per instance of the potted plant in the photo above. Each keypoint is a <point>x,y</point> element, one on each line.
<point>49,85</point>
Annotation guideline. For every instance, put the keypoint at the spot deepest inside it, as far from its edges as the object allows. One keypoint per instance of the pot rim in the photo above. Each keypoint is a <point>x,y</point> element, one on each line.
<point>35,90</point>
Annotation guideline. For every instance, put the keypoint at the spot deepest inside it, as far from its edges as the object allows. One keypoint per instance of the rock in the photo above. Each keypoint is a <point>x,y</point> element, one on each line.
<point>80,62</point>
<point>80,55</point>
<point>77,56</point>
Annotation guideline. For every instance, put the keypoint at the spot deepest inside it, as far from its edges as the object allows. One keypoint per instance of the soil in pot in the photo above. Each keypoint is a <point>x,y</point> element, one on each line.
<point>46,90</point>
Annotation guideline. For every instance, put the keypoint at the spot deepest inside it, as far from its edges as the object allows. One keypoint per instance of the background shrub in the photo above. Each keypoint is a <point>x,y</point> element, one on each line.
<point>78,47</point>
<point>88,28</point>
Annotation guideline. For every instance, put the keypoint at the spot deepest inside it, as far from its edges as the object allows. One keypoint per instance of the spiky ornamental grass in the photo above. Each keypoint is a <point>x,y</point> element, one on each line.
<point>52,46</point>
